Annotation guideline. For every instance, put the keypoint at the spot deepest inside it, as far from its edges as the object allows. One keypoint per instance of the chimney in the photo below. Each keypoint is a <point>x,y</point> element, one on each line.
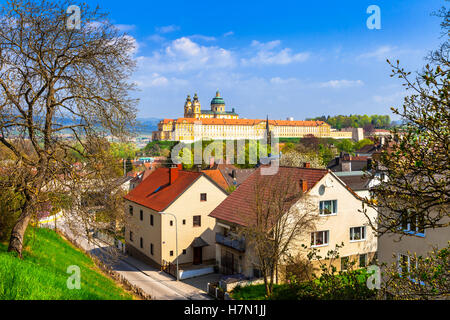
<point>199,168</point>
<point>307,165</point>
<point>233,174</point>
<point>369,164</point>
<point>303,185</point>
<point>180,166</point>
<point>173,174</point>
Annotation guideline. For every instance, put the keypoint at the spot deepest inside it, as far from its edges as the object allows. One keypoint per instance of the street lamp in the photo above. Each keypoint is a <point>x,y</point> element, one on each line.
<point>176,238</point>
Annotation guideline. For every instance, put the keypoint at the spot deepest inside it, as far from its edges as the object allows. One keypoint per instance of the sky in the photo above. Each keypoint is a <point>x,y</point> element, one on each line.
<point>297,59</point>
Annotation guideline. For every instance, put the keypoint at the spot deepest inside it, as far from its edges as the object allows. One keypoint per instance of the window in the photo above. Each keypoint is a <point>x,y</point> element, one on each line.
<point>202,196</point>
<point>319,238</point>
<point>197,221</point>
<point>141,242</point>
<point>184,251</point>
<point>171,253</point>
<point>131,210</point>
<point>184,221</point>
<point>363,260</point>
<point>151,248</point>
<point>403,263</point>
<point>357,233</point>
<point>412,223</point>
<point>344,263</point>
<point>141,215</point>
<point>151,219</point>
<point>131,236</point>
<point>328,207</point>
<point>171,222</point>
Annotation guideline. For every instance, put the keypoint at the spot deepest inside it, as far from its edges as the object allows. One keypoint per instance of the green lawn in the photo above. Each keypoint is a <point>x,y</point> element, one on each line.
<point>42,274</point>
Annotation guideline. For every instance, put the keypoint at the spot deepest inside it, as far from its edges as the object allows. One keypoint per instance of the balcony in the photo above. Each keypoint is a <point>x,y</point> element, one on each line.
<point>238,245</point>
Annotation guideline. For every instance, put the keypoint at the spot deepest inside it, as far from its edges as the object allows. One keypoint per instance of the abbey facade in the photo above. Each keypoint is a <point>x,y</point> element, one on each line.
<point>219,124</point>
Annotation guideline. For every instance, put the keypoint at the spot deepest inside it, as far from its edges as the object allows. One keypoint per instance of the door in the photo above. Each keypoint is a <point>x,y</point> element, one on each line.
<point>198,255</point>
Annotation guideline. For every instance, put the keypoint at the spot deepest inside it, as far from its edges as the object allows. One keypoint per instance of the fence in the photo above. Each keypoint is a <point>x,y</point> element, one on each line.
<point>217,292</point>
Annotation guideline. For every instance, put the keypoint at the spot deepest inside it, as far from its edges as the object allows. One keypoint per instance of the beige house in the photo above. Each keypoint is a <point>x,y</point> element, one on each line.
<point>392,248</point>
<point>339,220</point>
<point>167,201</point>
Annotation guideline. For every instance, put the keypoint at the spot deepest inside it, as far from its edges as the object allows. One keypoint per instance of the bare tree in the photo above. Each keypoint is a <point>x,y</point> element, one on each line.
<point>282,215</point>
<point>56,80</point>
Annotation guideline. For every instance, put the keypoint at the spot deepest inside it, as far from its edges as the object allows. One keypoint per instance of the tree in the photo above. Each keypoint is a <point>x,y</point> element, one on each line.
<point>57,80</point>
<point>294,158</point>
<point>416,160</point>
<point>420,277</point>
<point>281,217</point>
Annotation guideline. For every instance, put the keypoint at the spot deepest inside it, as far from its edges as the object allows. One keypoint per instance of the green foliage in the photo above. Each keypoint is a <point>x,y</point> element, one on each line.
<point>159,148</point>
<point>42,273</point>
<point>345,286</point>
<point>356,121</point>
<point>359,144</point>
<point>123,150</point>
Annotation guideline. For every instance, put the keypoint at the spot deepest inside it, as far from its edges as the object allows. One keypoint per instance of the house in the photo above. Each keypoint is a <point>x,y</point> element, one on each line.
<point>336,205</point>
<point>173,203</point>
<point>347,162</point>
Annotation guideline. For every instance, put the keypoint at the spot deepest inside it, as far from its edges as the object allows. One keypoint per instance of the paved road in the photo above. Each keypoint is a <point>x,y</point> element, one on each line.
<point>157,284</point>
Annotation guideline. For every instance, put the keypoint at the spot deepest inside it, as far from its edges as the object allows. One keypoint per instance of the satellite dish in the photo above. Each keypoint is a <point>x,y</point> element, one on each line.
<point>321,190</point>
<point>328,184</point>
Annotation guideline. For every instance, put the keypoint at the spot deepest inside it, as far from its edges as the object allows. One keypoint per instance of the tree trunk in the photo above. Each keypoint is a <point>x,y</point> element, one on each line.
<point>18,232</point>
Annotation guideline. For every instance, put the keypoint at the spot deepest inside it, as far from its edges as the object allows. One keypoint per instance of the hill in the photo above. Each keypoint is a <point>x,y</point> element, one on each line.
<point>42,274</point>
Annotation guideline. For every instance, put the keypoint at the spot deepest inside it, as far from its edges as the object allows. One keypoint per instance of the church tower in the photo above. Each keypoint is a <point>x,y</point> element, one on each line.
<point>196,106</point>
<point>188,107</point>
<point>217,103</point>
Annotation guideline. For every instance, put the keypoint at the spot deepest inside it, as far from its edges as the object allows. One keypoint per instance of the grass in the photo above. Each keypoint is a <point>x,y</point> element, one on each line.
<point>42,273</point>
<point>252,292</point>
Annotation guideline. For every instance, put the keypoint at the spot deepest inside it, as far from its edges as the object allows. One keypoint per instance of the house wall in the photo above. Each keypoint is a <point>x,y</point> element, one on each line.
<point>150,234</point>
<point>348,215</point>
<point>163,236</point>
<point>185,207</point>
<point>392,244</point>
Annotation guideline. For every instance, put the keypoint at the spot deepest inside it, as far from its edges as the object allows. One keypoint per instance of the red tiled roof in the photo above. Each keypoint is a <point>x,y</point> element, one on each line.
<point>238,207</point>
<point>217,176</point>
<point>145,195</point>
<point>249,122</point>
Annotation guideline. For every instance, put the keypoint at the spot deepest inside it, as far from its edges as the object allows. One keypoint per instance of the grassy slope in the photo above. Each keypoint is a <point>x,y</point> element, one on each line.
<point>42,272</point>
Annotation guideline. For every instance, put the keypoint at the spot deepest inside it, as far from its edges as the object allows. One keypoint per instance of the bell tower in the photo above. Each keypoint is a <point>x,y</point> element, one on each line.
<point>188,107</point>
<point>196,107</point>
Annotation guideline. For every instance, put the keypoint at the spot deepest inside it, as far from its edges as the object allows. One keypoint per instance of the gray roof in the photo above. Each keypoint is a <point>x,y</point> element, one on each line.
<point>199,242</point>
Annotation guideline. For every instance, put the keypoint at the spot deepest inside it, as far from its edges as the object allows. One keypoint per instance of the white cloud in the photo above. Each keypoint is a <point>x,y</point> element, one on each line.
<point>388,52</point>
<point>229,33</point>
<point>380,53</point>
<point>201,37</point>
<point>278,80</point>
<point>267,55</point>
<point>167,29</point>
<point>183,55</point>
<point>341,83</point>
<point>125,27</point>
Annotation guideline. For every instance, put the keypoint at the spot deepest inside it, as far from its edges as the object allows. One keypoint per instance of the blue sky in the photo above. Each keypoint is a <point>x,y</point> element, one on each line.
<point>281,58</point>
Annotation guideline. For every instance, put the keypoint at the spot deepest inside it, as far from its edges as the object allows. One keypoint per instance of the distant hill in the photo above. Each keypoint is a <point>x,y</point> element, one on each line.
<point>147,125</point>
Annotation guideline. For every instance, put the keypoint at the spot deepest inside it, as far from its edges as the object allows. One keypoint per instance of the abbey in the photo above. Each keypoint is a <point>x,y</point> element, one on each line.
<point>192,109</point>
<point>219,124</point>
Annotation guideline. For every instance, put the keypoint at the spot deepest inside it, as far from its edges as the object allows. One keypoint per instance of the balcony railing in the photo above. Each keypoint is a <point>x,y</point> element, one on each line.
<point>230,242</point>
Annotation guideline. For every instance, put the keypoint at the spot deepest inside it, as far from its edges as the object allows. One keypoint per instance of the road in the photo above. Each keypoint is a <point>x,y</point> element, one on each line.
<point>157,284</point>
